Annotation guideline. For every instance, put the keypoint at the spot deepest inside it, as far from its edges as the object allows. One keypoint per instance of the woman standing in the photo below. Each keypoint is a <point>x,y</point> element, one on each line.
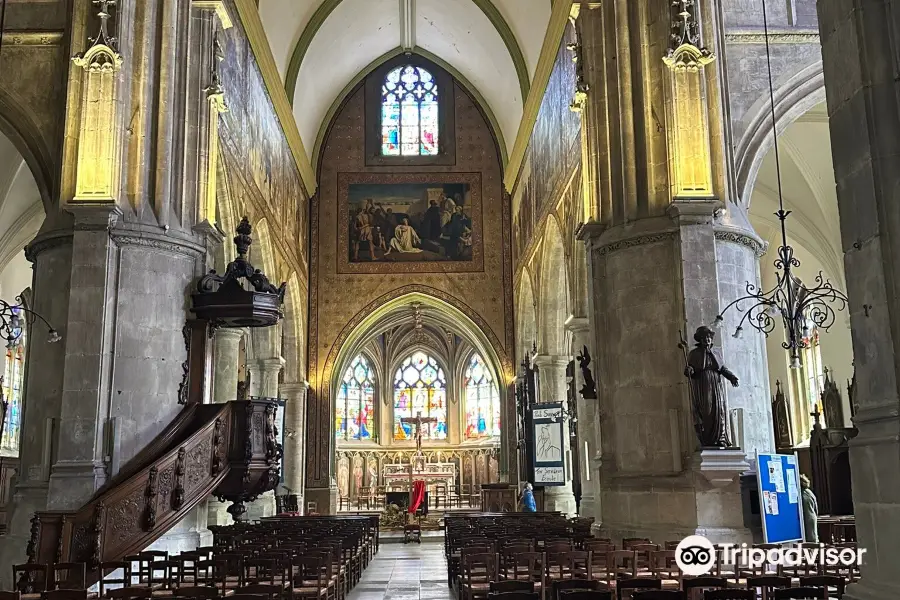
<point>810,511</point>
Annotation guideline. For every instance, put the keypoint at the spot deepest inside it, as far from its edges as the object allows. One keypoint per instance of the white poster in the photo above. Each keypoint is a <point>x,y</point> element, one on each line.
<point>770,502</point>
<point>543,475</point>
<point>792,486</point>
<point>548,443</point>
<point>776,474</point>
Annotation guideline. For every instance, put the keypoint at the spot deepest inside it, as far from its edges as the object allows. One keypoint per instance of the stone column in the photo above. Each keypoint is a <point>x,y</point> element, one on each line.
<point>226,355</point>
<point>227,346</point>
<point>588,434</point>
<point>552,388</point>
<point>667,251</point>
<point>264,370</point>
<point>294,462</point>
<point>860,62</point>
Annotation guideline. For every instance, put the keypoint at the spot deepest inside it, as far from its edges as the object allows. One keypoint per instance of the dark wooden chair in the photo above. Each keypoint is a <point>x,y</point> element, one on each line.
<point>64,595</point>
<point>68,576</point>
<point>114,573</point>
<point>32,578</point>
<point>695,586</point>
<point>659,595</point>
<point>636,584</point>
<point>129,593</point>
<point>801,593</point>
<point>569,585</point>
<point>198,591</point>
<point>586,595</point>
<point>477,571</point>
<point>513,595</point>
<point>261,589</point>
<point>827,582</point>
<point>768,584</point>
<point>10,596</point>
<point>729,594</point>
<point>247,597</point>
<point>512,585</point>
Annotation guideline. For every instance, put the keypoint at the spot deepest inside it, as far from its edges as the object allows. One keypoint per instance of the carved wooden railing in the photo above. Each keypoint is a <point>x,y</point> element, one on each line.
<point>225,450</point>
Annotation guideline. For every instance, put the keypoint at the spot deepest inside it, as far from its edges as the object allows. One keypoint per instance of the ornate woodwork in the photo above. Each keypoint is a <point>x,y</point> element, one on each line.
<point>781,418</point>
<point>829,451</point>
<point>211,449</point>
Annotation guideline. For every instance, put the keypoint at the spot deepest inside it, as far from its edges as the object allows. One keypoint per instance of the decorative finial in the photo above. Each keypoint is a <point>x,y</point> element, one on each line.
<point>685,52</point>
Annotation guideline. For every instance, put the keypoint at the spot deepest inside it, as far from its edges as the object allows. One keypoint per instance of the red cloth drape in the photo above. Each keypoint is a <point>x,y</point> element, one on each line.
<point>418,494</point>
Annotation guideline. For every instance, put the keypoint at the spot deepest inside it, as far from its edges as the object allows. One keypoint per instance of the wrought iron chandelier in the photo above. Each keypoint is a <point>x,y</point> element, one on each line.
<point>12,323</point>
<point>799,307</point>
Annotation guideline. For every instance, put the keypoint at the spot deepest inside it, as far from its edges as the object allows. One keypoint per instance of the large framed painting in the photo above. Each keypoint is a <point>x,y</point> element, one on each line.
<point>547,444</point>
<point>409,222</point>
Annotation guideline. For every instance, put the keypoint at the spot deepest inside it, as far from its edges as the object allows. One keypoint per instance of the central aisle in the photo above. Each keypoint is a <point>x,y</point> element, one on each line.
<point>405,572</point>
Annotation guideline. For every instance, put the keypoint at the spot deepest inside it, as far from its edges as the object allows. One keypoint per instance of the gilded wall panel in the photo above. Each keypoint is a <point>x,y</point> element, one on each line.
<point>262,172</point>
<point>554,151</point>
<point>342,291</point>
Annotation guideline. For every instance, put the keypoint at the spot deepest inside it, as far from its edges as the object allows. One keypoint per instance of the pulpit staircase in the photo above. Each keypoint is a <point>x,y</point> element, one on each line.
<point>225,450</point>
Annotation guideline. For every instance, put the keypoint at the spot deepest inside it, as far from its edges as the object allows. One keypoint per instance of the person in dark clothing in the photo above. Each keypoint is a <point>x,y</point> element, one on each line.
<point>431,222</point>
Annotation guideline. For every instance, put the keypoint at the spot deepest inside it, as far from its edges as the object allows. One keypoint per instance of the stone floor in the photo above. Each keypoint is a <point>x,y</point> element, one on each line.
<point>405,572</point>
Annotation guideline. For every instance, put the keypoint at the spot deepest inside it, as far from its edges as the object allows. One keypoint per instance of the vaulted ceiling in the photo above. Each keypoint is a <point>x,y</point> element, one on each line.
<point>807,180</point>
<point>323,47</point>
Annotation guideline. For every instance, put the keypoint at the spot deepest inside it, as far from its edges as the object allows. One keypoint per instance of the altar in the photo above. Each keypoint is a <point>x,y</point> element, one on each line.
<point>397,475</point>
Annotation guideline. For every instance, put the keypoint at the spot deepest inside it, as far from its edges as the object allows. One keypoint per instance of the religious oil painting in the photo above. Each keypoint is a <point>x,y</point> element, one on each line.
<point>407,222</point>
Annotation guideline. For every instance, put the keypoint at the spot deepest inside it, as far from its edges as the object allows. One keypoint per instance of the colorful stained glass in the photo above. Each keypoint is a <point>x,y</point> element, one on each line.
<point>420,387</point>
<point>13,386</point>
<point>354,414</point>
<point>482,401</point>
<point>409,113</point>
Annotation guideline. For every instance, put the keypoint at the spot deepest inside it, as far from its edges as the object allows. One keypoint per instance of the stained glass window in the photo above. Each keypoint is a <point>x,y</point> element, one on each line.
<point>409,113</point>
<point>420,387</point>
<point>354,415</point>
<point>13,384</point>
<point>482,401</point>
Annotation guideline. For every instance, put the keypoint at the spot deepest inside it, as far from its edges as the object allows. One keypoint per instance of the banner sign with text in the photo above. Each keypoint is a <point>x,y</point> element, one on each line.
<point>548,439</point>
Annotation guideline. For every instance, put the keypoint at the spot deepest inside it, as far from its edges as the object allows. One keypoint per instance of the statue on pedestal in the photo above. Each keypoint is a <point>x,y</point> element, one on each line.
<point>707,372</point>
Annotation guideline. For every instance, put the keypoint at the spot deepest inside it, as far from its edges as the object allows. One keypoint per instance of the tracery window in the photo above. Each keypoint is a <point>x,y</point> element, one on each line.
<point>355,410</point>
<point>13,385</point>
<point>420,387</point>
<point>409,112</point>
<point>482,401</point>
<point>808,381</point>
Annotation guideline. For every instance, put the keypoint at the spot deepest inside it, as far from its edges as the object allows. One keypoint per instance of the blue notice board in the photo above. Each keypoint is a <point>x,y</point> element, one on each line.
<point>780,498</point>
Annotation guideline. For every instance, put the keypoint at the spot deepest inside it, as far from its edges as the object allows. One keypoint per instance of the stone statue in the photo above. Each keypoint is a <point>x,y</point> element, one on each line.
<point>706,371</point>
<point>589,389</point>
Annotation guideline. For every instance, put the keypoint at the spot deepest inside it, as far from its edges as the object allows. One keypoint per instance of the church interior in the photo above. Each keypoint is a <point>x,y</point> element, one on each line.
<point>297,280</point>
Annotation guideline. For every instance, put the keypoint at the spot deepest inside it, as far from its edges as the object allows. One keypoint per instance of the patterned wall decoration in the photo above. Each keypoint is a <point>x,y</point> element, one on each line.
<point>554,152</point>
<point>339,292</point>
<point>264,177</point>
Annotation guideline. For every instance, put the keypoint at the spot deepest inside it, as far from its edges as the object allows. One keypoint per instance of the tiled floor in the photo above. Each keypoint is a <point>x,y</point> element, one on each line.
<point>406,572</point>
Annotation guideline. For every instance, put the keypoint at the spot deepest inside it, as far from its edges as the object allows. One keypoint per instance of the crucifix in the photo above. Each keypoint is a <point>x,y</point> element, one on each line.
<point>418,421</point>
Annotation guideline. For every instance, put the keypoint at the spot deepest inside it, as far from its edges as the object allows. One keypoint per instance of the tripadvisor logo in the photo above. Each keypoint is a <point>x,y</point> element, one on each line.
<point>695,555</point>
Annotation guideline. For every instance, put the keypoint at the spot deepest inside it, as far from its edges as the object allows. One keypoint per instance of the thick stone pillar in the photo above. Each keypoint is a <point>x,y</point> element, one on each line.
<point>264,371</point>
<point>666,251</point>
<point>588,422</point>
<point>226,354</point>
<point>553,388</point>
<point>294,462</point>
<point>860,61</point>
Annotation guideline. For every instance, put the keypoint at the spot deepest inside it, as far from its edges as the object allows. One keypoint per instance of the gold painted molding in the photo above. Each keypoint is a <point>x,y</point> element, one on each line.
<point>248,14</point>
<point>12,37</point>
<point>471,89</point>
<point>327,7</point>
<point>559,18</point>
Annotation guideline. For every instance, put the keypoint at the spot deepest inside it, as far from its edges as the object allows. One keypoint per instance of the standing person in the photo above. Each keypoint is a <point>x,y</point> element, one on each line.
<point>527,499</point>
<point>810,511</point>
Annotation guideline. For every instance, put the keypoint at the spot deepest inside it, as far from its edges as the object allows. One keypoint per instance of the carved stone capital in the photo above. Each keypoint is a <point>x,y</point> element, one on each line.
<point>94,216</point>
<point>694,212</point>
<point>551,361</point>
<point>577,324</point>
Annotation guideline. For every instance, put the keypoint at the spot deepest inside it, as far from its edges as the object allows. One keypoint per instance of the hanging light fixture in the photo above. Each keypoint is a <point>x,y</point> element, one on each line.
<point>799,307</point>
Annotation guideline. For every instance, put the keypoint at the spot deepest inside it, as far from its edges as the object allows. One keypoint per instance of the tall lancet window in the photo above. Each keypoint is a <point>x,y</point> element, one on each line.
<point>354,415</point>
<point>409,113</point>
<point>13,385</point>
<point>482,401</point>
<point>420,387</point>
